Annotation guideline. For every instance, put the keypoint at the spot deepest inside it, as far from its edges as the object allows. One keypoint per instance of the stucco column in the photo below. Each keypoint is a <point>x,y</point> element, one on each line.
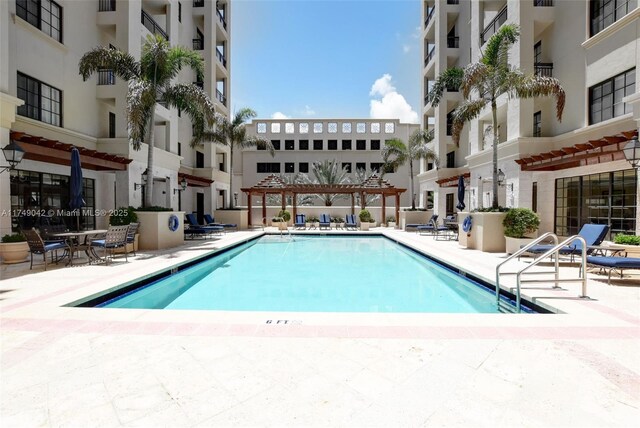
<point>634,101</point>
<point>8,105</point>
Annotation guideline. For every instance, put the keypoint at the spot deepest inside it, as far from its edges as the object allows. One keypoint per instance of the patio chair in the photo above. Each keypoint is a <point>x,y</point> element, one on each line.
<point>325,221</point>
<point>48,230</point>
<point>38,246</point>
<point>115,238</point>
<point>131,236</point>
<point>416,226</point>
<point>301,221</point>
<point>210,221</point>
<point>197,229</point>
<point>350,222</point>
<point>593,235</point>
<point>615,263</point>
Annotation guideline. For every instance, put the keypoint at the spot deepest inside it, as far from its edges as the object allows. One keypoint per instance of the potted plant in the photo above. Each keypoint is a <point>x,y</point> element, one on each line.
<point>338,222</point>
<point>518,223</point>
<point>391,221</point>
<point>365,219</point>
<point>14,248</point>
<point>314,221</point>
<point>281,220</point>
<point>123,216</point>
<point>629,243</point>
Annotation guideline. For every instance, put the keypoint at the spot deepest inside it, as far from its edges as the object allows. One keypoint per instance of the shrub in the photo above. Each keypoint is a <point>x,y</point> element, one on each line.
<point>493,210</point>
<point>154,209</point>
<point>626,239</point>
<point>286,215</point>
<point>519,222</point>
<point>14,237</point>
<point>123,216</point>
<point>313,219</point>
<point>365,216</point>
<point>391,219</point>
<point>337,220</point>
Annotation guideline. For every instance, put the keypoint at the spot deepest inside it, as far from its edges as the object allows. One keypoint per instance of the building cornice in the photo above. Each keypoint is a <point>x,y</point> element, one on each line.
<point>613,28</point>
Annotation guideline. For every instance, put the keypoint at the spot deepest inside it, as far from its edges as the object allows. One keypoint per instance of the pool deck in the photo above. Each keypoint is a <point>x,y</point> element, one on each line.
<point>112,367</point>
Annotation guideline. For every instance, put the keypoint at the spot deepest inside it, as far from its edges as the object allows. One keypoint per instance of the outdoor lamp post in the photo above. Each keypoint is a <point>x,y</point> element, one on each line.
<point>632,152</point>
<point>13,154</point>
<point>144,181</point>
<point>235,199</point>
<point>183,186</point>
<point>501,177</point>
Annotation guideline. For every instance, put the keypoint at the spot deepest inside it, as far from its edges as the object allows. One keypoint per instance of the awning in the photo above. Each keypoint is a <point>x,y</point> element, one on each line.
<point>53,151</point>
<point>605,149</point>
<point>194,180</point>
<point>453,180</point>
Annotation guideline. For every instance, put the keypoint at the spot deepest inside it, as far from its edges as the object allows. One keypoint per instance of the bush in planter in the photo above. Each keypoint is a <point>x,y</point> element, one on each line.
<point>365,216</point>
<point>519,222</point>
<point>286,215</point>
<point>313,219</point>
<point>390,219</point>
<point>622,239</point>
<point>123,216</point>
<point>154,208</point>
<point>14,237</point>
<point>495,210</point>
<point>337,220</point>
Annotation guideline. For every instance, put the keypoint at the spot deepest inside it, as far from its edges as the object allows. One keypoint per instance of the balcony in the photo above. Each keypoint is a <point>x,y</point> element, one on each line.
<point>198,3</point>
<point>430,13</point>
<point>430,56</point>
<point>107,6</point>
<point>543,3</point>
<point>198,44</point>
<point>221,18</point>
<point>106,77</point>
<point>220,97</point>
<point>453,41</point>
<point>493,26</point>
<point>543,69</point>
<point>152,25</point>
<point>221,58</point>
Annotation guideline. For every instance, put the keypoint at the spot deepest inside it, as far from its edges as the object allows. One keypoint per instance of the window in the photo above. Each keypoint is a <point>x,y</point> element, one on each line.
<point>361,165</point>
<point>346,128</point>
<point>333,127</point>
<point>268,167</point>
<point>179,148</point>
<point>262,128</point>
<point>41,101</point>
<point>451,160</point>
<point>275,144</point>
<point>303,167</point>
<point>605,99</point>
<point>534,197</point>
<point>220,157</point>
<point>304,145</point>
<point>289,128</point>
<point>361,127</point>
<point>377,166</point>
<point>606,12</point>
<point>199,159</point>
<point>275,128</point>
<point>346,144</point>
<point>303,128</point>
<point>389,128</point>
<point>537,124</point>
<point>289,167</point>
<point>317,144</point>
<point>179,113</point>
<point>375,144</point>
<point>375,128</point>
<point>179,12</point>
<point>537,52</point>
<point>317,128</point>
<point>289,145</point>
<point>361,144</point>
<point>450,122</point>
<point>449,203</point>
<point>333,145</point>
<point>46,15</point>
<point>112,125</point>
<point>347,166</point>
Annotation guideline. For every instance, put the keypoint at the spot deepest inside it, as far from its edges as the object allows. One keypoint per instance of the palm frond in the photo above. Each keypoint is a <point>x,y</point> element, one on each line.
<point>154,60</point>
<point>542,86</point>
<point>467,111</point>
<point>450,78</point>
<point>260,143</point>
<point>242,116</point>
<point>190,99</point>
<point>476,76</point>
<point>179,57</point>
<point>121,63</point>
<point>141,102</point>
<point>498,45</point>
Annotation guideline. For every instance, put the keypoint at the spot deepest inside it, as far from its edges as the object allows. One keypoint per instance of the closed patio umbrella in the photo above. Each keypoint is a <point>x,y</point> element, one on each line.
<point>76,201</point>
<point>461,206</point>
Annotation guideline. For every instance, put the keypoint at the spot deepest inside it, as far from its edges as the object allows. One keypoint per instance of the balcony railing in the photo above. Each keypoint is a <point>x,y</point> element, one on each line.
<point>543,69</point>
<point>543,3</point>
<point>199,84</point>
<point>453,42</point>
<point>221,58</point>
<point>106,77</point>
<point>152,25</point>
<point>198,3</point>
<point>493,26</point>
<point>452,89</point>
<point>430,56</point>
<point>220,96</point>
<point>429,16</point>
<point>107,6</point>
<point>198,44</point>
<point>221,18</point>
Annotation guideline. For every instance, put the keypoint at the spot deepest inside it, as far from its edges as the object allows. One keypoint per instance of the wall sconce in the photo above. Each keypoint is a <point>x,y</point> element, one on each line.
<point>144,181</point>
<point>510,187</point>
<point>183,186</point>
<point>501,178</point>
<point>13,154</point>
<point>632,152</point>
<point>235,199</point>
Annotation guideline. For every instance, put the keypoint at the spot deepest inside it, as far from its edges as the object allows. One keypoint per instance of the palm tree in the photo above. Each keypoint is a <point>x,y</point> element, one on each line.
<point>329,172</point>
<point>150,81</point>
<point>483,82</point>
<point>396,153</point>
<point>297,178</point>
<point>233,134</point>
<point>361,175</point>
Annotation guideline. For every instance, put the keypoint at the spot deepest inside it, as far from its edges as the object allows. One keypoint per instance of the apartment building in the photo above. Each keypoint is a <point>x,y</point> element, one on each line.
<point>354,143</point>
<point>47,108</point>
<point>570,172</point>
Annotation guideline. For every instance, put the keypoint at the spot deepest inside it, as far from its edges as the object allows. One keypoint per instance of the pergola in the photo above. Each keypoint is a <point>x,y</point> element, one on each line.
<point>274,185</point>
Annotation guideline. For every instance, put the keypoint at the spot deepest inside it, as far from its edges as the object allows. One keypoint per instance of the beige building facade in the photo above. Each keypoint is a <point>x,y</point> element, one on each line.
<point>47,108</point>
<point>571,172</point>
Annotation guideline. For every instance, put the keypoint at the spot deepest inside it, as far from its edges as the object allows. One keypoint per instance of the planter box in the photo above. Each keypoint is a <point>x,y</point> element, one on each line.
<point>14,252</point>
<point>414,217</point>
<point>514,244</point>
<point>154,230</point>
<point>239,217</point>
<point>391,224</point>
<point>486,234</point>
<point>631,250</point>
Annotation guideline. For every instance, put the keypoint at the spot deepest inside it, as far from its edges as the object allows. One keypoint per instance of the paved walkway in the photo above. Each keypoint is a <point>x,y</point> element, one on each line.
<point>110,367</point>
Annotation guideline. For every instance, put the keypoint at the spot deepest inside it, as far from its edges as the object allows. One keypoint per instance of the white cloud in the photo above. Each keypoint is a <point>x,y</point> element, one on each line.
<point>309,111</point>
<point>406,48</point>
<point>279,115</point>
<point>392,105</point>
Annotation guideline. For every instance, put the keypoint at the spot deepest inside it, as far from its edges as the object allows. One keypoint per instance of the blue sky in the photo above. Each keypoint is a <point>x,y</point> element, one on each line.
<point>321,58</point>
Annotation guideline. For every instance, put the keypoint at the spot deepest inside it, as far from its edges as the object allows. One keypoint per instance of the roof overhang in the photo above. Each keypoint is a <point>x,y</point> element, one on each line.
<point>194,180</point>
<point>453,180</point>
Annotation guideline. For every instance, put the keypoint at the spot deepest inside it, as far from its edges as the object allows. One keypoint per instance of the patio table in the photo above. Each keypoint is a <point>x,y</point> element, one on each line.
<point>79,241</point>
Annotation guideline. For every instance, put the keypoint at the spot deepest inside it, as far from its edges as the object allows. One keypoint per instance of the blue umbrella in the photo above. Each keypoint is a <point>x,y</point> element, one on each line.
<point>76,201</point>
<point>461,204</point>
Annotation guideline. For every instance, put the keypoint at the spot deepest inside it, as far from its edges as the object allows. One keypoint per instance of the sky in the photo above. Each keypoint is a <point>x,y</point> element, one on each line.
<point>326,59</point>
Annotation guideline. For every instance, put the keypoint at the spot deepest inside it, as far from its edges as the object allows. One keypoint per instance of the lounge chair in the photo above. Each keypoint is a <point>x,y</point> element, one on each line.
<point>301,221</point>
<point>210,221</point>
<point>197,229</point>
<point>325,221</point>
<point>613,263</point>
<point>593,234</point>
<point>425,226</point>
<point>115,238</point>
<point>350,222</point>
<point>131,236</point>
<point>38,246</point>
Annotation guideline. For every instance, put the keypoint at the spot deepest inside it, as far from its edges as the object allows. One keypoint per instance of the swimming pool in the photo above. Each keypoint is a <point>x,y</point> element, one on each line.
<point>314,274</point>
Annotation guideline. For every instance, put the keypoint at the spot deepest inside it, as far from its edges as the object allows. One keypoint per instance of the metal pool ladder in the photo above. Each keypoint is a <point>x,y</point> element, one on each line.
<point>552,252</point>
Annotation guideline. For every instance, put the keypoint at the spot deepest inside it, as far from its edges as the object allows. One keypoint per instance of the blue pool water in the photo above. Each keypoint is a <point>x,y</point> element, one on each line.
<point>314,274</point>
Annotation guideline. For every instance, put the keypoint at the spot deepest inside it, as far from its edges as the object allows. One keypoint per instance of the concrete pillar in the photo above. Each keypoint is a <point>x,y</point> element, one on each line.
<point>634,101</point>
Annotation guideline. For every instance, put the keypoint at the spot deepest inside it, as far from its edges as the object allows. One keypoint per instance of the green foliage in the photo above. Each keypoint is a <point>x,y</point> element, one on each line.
<point>14,237</point>
<point>337,220</point>
<point>284,214</point>
<point>123,216</point>
<point>391,219</point>
<point>313,219</point>
<point>154,208</point>
<point>519,222</point>
<point>626,239</point>
<point>365,216</point>
<point>498,209</point>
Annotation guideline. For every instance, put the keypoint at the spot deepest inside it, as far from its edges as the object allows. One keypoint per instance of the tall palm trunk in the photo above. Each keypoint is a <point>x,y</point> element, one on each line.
<point>413,197</point>
<point>231,176</point>
<point>148,190</point>
<point>494,113</point>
